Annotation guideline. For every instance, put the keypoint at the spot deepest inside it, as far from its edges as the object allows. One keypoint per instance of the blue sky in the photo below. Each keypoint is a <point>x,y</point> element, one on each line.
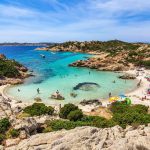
<point>63,20</point>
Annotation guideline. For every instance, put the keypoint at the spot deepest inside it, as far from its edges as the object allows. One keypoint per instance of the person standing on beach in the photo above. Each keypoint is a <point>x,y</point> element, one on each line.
<point>109,94</point>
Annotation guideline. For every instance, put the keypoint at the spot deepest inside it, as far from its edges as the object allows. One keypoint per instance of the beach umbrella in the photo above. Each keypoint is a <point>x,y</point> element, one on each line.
<point>122,96</point>
<point>113,99</point>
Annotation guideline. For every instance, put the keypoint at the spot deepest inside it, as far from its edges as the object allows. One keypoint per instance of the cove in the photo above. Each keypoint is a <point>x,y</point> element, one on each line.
<point>52,73</point>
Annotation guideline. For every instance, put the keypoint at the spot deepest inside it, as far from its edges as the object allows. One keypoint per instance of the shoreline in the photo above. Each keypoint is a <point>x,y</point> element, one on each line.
<point>135,95</point>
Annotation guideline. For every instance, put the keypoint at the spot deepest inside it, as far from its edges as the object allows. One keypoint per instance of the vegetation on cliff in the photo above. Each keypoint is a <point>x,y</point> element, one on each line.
<point>119,54</point>
<point>38,109</point>
<point>111,47</point>
<point>4,126</point>
<point>123,115</point>
<point>10,68</point>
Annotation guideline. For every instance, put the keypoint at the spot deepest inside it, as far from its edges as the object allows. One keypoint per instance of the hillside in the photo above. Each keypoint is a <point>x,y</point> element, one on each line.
<point>111,55</point>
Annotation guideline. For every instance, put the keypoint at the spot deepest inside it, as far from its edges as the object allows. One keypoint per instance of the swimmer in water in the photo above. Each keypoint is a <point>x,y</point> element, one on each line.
<point>38,90</point>
<point>114,81</point>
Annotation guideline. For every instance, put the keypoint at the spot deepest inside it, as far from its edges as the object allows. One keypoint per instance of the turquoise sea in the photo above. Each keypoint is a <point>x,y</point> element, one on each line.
<point>53,73</point>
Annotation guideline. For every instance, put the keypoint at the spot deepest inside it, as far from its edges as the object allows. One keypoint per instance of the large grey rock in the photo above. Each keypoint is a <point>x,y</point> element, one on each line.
<point>88,138</point>
<point>5,108</point>
<point>28,124</point>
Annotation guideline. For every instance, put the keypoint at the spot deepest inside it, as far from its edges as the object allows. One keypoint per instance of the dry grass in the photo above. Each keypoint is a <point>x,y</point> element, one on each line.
<point>100,111</point>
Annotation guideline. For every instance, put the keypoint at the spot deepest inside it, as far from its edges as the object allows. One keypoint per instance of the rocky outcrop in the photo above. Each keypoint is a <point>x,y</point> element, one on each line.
<point>12,81</point>
<point>5,108</point>
<point>86,86</point>
<point>90,102</point>
<point>2,56</point>
<point>104,63</point>
<point>18,74</point>
<point>89,138</point>
<point>127,76</point>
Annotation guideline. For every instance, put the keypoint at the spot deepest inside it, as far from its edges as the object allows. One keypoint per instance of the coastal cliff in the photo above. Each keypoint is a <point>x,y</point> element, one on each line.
<point>111,55</point>
<point>11,72</point>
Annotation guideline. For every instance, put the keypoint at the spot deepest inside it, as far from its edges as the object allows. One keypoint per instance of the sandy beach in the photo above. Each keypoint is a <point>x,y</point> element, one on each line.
<point>137,95</point>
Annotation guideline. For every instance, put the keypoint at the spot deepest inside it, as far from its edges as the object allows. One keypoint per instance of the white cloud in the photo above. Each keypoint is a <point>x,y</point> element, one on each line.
<point>90,20</point>
<point>12,11</point>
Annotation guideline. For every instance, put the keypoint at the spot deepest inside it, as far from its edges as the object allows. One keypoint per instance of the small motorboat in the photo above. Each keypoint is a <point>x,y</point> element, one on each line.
<point>53,53</point>
<point>43,56</point>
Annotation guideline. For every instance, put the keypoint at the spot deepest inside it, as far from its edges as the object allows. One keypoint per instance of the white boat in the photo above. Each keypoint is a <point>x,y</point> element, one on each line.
<point>43,56</point>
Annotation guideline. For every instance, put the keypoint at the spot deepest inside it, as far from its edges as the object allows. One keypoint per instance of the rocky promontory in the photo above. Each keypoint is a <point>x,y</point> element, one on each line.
<point>104,62</point>
<point>112,55</point>
<point>11,72</point>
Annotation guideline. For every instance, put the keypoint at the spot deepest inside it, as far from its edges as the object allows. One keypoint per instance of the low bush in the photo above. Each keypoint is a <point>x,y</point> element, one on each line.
<point>64,111</point>
<point>130,115</point>
<point>75,115</point>
<point>2,137</point>
<point>4,125</point>
<point>139,108</point>
<point>119,107</point>
<point>61,124</point>
<point>14,133</point>
<point>38,109</point>
<point>123,115</point>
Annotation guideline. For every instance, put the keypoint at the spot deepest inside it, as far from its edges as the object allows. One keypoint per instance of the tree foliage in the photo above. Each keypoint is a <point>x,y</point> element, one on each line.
<point>38,109</point>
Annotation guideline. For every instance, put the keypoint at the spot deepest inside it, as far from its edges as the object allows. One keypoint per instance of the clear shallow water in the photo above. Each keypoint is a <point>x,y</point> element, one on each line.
<point>53,73</point>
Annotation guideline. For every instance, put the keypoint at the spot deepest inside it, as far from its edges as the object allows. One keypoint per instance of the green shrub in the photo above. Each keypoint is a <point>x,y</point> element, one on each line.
<point>129,118</point>
<point>50,110</point>
<point>8,69</point>
<point>60,124</point>
<point>119,107</point>
<point>4,125</point>
<point>75,115</point>
<point>38,109</point>
<point>92,118</point>
<point>123,115</point>
<point>2,137</point>
<point>14,133</point>
<point>146,63</point>
<point>139,108</point>
<point>64,111</point>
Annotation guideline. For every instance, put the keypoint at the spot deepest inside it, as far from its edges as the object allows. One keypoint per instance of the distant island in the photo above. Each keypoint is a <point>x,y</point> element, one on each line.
<point>111,55</point>
<point>27,44</point>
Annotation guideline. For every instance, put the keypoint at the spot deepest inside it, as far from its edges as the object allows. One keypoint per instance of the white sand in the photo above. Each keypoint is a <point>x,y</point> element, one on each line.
<point>14,103</point>
<point>136,95</point>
